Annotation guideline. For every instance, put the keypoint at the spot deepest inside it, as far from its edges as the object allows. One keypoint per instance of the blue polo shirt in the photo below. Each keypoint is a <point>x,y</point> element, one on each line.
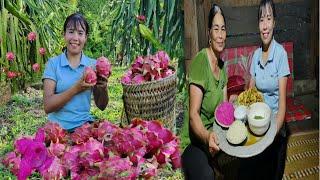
<point>77,111</point>
<point>267,75</point>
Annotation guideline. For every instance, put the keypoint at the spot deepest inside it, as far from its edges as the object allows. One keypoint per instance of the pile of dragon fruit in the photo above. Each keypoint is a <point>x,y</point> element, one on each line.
<point>97,150</point>
<point>102,68</point>
<point>148,68</point>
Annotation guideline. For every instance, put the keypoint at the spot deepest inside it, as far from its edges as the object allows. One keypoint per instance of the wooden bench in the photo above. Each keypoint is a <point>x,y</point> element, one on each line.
<point>238,61</point>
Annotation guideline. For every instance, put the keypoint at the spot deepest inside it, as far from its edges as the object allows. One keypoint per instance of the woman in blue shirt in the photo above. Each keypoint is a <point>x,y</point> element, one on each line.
<point>67,97</point>
<point>269,72</point>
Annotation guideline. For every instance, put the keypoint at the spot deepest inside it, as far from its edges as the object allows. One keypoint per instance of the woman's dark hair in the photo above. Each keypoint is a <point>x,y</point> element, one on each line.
<point>263,4</point>
<point>72,21</point>
<point>213,11</point>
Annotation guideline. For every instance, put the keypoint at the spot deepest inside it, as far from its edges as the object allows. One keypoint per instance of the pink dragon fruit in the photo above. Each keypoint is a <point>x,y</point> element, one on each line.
<point>90,76</point>
<point>103,67</point>
<point>224,114</point>
<point>117,168</point>
<point>126,79</point>
<point>36,67</point>
<point>42,51</point>
<point>54,133</point>
<point>10,56</point>
<point>138,79</point>
<point>148,168</point>
<point>57,149</point>
<point>34,155</point>
<point>12,161</point>
<point>104,131</point>
<point>164,59</point>
<point>11,74</point>
<point>148,68</point>
<point>32,36</point>
<point>176,159</point>
<point>167,73</point>
<point>57,170</point>
<point>82,134</point>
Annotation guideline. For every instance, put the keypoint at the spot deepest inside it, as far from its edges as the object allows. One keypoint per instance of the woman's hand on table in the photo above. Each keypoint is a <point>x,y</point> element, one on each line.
<point>213,143</point>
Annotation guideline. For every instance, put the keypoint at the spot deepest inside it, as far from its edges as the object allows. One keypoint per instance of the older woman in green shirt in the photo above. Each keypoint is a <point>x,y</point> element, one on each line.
<point>207,81</point>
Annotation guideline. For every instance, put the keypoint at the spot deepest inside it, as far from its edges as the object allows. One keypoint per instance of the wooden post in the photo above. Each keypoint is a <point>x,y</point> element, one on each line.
<point>195,27</point>
<point>191,46</point>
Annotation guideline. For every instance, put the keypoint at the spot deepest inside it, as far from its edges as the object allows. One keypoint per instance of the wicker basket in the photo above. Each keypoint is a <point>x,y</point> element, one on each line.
<point>151,100</point>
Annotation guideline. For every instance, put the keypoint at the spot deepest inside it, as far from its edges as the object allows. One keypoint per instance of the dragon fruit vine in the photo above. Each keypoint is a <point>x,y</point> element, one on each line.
<point>99,150</point>
<point>148,68</point>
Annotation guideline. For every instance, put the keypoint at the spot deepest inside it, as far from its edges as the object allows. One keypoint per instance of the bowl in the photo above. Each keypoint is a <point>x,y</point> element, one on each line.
<point>237,133</point>
<point>259,117</point>
<point>240,113</point>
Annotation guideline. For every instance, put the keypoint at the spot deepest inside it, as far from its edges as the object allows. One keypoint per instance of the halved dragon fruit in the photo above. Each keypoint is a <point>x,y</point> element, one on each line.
<point>224,114</point>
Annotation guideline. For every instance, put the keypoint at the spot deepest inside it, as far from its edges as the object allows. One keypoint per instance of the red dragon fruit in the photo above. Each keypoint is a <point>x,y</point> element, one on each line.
<point>54,133</point>
<point>57,170</point>
<point>90,76</point>
<point>117,168</point>
<point>57,149</point>
<point>82,134</point>
<point>103,67</point>
<point>100,150</point>
<point>12,161</point>
<point>104,131</point>
<point>148,68</point>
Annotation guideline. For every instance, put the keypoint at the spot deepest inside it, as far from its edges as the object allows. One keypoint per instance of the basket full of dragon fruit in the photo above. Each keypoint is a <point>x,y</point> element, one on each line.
<point>149,88</point>
<point>100,150</point>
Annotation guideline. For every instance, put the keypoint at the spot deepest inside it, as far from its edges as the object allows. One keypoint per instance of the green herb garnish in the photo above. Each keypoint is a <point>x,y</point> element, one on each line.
<point>258,117</point>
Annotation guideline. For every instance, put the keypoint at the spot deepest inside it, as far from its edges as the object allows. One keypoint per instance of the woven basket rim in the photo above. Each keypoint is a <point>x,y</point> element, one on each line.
<point>152,82</point>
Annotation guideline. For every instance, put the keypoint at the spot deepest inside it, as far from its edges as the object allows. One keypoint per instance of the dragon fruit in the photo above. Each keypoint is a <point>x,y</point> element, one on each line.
<point>82,134</point>
<point>32,36</point>
<point>56,170</point>
<point>42,51</point>
<point>12,161</point>
<point>54,133</point>
<point>103,67</point>
<point>34,155</point>
<point>99,150</point>
<point>10,56</point>
<point>148,68</point>
<point>36,67</point>
<point>11,74</point>
<point>57,149</point>
<point>224,114</point>
<point>90,76</point>
<point>117,168</point>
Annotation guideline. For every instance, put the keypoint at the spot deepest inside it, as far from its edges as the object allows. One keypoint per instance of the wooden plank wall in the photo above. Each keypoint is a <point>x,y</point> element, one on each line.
<point>293,23</point>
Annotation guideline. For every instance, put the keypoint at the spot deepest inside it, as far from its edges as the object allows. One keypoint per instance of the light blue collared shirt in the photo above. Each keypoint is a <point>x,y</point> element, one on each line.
<point>267,75</point>
<point>77,111</point>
